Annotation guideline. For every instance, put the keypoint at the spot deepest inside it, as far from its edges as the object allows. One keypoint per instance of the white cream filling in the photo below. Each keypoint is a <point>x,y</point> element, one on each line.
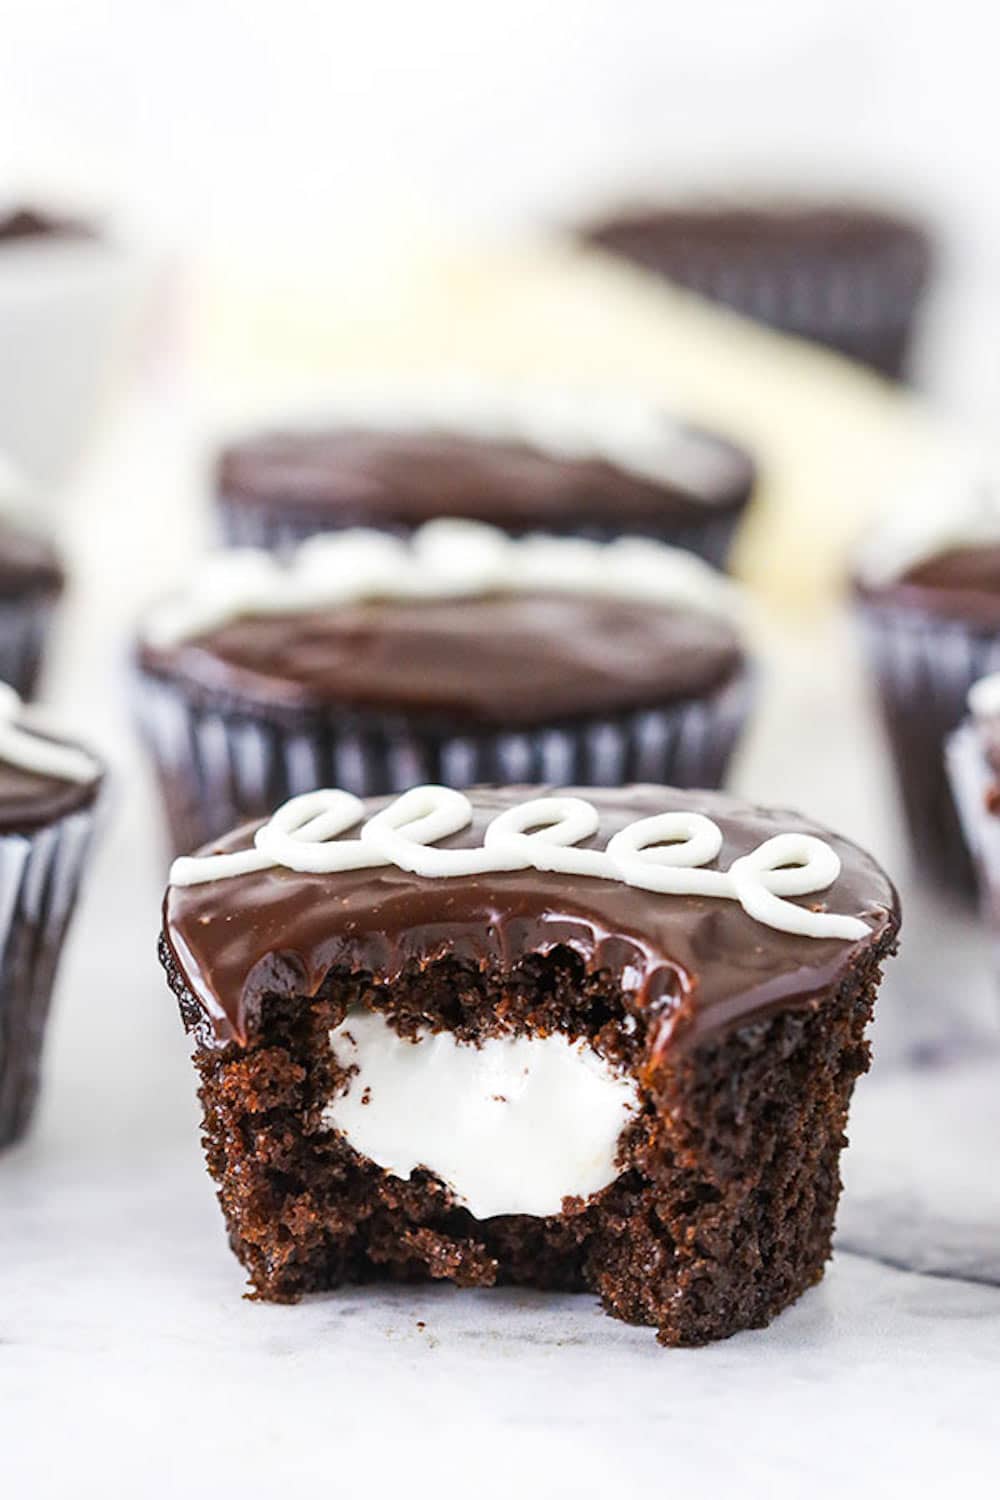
<point>513,1126</point>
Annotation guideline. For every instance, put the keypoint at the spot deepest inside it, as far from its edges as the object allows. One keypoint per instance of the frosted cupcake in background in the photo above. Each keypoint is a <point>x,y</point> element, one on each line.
<point>973,764</point>
<point>522,458</point>
<point>31,581</point>
<point>458,655</point>
<point>843,275</point>
<point>928,592</point>
<point>70,297</point>
<point>49,790</point>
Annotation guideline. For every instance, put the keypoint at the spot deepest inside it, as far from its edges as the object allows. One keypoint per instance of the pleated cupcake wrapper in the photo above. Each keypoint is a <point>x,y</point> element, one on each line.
<point>865,311</point>
<point>973,781</point>
<point>925,668</point>
<point>39,879</point>
<point>256,525</point>
<point>219,767</point>
<point>24,625</point>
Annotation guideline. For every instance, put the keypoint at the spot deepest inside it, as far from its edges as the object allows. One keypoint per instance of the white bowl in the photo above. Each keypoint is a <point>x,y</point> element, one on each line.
<point>67,309</point>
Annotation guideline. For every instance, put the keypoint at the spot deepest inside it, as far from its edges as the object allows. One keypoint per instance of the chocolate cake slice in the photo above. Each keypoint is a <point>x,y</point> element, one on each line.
<point>585,1040</point>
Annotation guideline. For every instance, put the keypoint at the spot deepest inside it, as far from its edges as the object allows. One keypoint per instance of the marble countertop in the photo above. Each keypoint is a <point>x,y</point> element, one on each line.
<point>130,1364</point>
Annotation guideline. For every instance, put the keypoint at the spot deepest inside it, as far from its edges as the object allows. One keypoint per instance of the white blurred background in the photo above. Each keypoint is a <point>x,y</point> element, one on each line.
<point>315,132</point>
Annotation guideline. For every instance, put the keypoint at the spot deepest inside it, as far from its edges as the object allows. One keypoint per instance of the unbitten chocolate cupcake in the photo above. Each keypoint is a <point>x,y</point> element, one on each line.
<point>458,655</point>
<point>566,463</point>
<point>972,757</point>
<point>929,599</point>
<point>579,1040</point>
<point>840,275</point>
<point>31,581</point>
<point>48,794</point>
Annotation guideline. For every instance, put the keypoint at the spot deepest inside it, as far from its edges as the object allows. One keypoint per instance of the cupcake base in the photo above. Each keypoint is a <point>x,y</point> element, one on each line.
<point>24,625</point>
<point>925,667</point>
<point>39,879</point>
<point>279,529</point>
<point>713,1229</point>
<point>222,764</point>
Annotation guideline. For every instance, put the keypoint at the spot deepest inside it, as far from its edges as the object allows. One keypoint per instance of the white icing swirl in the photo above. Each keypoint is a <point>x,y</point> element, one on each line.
<point>666,853</point>
<point>30,752</point>
<point>954,502</point>
<point>632,433</point>
<point>984,697</point>
<point>443,559</point>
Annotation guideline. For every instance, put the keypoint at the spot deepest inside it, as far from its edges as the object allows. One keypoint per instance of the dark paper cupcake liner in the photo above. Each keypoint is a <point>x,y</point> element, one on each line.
<point>24,626</point>
<point>277,530</point>
<point>39,879</point>
<point>924,668</point>
<point>220,766</point>
<point>863,304</point>
<point>974,785</point>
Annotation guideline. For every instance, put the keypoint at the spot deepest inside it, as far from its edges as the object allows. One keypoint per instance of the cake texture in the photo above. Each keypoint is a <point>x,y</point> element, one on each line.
<point>458,655</point>
<point>582,1040</point>
<point>844,276</point>
<point>929,602</point>
<point>31,580</point>
<point>525,461</point>
<point>48,796</point>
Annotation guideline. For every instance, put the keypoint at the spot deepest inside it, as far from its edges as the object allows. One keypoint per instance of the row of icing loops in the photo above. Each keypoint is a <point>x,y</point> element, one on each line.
<point>668,853</point>
<point>443,559</point>
<point>21,747</point>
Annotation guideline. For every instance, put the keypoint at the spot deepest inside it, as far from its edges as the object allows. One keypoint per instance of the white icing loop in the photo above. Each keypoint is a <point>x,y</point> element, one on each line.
<point>666,854</point>
<point>984,697</point>
<point>443,559</point>
<point>19,746</point>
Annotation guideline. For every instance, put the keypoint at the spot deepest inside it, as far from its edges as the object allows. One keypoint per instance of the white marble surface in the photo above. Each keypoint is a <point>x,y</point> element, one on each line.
<point>130,1365</point>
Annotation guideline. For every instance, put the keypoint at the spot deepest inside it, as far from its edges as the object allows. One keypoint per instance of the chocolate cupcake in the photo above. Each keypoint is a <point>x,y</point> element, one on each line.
<point>972,757</point>
<point>840,275</point>
<point>929,599</point>
<point>48,793</point>
<point>458,655</point>
<point>576,1040</point>
<point>525,461</point>
<point>31,580</point>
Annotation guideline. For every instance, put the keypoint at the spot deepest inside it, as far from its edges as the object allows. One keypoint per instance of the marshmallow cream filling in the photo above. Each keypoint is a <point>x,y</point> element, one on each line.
<point>512,1126</point>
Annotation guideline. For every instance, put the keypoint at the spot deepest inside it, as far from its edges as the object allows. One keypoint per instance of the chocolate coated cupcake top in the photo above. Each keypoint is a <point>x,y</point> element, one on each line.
<point>943,558</point>
<point>42,778</point>
<point>520,459</point>
<point>461,623</point>
<point>711,930</point>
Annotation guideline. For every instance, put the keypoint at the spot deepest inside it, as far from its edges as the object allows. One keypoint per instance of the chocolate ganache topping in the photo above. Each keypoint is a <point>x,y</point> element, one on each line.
<point>698,964</point>
<point>387,478</point>
<point>959,582</point>
<point>494,660</point>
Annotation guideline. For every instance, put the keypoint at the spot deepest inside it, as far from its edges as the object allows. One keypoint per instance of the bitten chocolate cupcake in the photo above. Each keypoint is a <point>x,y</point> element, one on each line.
<point>929,598</point>
<point>840,275</point>
<point>458,655</point>
<point>48,793</point>
<point>576,1040</point>
<point>568,463</point>
<point>31,580</point>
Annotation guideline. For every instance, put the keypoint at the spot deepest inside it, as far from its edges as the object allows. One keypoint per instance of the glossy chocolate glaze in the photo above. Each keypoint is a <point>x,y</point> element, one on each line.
<point>29,801</point>
<point>820,230</point>
<point>404,479</point>
<point>961,583</point>
<point>31,224</point>
<point>695,966</point>
<point>503,660</point>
